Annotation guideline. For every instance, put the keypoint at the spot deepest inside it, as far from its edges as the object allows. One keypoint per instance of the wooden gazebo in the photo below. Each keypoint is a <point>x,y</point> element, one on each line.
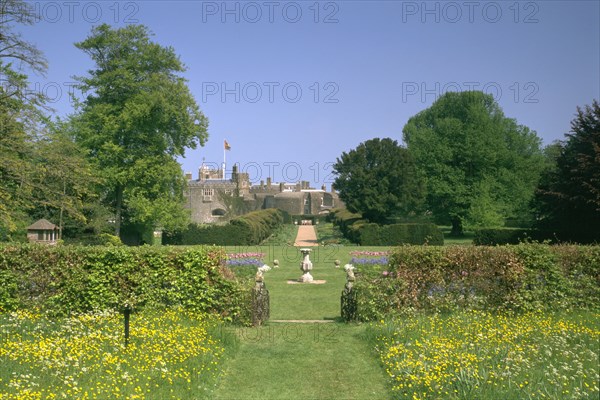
<point>42,231</point>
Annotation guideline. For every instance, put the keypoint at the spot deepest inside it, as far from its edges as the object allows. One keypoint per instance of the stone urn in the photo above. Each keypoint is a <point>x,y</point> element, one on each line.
<point>305,266</point>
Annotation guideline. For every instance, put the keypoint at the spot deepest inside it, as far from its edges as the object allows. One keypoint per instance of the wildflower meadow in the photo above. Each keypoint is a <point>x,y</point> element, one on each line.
<point>481,355</point>
<point>170,355</point>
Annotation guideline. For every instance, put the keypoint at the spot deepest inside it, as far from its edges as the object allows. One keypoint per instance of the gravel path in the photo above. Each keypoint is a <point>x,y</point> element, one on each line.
<point>307,236</point>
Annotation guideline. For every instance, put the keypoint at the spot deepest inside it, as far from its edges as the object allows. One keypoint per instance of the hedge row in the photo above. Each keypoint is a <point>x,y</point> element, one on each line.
<point>522,277</point>
<point>391,235</point>
<point>248,229</point>
<point>68,279</point>
<point>360,231</point>
<point>500,236</point>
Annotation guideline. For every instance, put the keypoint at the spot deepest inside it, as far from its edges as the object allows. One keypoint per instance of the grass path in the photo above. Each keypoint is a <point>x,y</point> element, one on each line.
<point>303,361</point>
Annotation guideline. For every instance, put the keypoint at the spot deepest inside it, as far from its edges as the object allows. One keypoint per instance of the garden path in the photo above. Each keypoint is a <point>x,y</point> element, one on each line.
<point>304,352</point>
<point>307,236</point>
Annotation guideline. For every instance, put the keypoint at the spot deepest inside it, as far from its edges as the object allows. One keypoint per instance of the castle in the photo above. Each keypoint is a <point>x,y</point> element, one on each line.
<point>213,199</point>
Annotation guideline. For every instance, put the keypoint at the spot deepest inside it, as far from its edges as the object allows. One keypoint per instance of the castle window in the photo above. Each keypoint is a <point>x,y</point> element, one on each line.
<point>218,212</point>
<point>208,192</point>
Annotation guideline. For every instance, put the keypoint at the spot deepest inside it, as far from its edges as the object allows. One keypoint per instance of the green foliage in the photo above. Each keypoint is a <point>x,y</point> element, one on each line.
<point>522,277</point>
<point>328,234</point>
<point>568,198</point>
<point>396,234</point>
<point>258,225</point>
<point>379,180</point>
<point>21,118</point>
<point>66,279</point>
<point>344,219</point>
<point>496,236</point>
<point>364,233</point>
<point>106,239</point>
<point>248,229</point>
<point>139,117</point>
<point>480,166</point>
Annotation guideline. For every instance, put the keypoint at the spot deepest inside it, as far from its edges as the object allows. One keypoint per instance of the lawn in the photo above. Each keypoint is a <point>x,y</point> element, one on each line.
<point>303,301</point>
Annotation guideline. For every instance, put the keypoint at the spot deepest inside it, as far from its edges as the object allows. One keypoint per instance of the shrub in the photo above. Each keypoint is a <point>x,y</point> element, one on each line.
<point>360,231</point>
<point>367,234</point>
<point>66,279</point>
<point>522,277</point>
<point>248,229</point>
<point>106,239</point>
<point>496,236</point>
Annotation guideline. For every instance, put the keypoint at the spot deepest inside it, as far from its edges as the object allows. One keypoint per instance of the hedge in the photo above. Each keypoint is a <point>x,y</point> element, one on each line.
<point>395,234</point>
<point>360,231</point>
<point>496,236</point>
<point>248,229</point>
<point>501,236</point>
<point>522,277</point>
<point>70,279</point>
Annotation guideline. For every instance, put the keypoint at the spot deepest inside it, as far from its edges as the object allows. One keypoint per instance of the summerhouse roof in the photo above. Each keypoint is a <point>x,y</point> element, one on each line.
<point>42,224</point>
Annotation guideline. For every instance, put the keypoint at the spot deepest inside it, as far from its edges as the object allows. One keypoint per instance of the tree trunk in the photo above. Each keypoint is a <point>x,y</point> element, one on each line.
<point>457,227</point>
<point>62,209</point>
<point>118,210</point>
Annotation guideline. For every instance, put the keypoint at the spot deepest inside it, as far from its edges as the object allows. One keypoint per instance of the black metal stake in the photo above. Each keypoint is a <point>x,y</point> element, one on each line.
<point>126,314</point>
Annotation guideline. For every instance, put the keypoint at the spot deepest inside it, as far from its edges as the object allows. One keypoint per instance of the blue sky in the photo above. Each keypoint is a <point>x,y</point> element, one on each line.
<point>292,84</point>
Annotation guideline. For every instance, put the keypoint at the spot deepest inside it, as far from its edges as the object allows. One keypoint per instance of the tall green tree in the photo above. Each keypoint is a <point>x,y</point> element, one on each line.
<point>480,166</point>
<point>379,180</point>
<point>64,177</point>
<point>138,116</point>
<point>21,113</point>
<point>568,198</point>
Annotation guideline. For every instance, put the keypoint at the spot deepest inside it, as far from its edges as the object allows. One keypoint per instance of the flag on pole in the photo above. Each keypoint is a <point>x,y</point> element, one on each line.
<point>226,145</point>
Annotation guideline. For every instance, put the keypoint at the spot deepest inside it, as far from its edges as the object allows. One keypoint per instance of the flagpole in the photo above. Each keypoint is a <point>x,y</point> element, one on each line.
<point>224,159</point>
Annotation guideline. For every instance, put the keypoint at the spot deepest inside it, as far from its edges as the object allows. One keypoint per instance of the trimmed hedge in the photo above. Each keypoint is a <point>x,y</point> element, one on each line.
<point>496,236</point>
<point>259,225</point>
<point>522,277</point>
<point>69,279</point>
<point>395,234</point>
<point>360,231</point>
<point>248,229</point>
<point>501,236</point>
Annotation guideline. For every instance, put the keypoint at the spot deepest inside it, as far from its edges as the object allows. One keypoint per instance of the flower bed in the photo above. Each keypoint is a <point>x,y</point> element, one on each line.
<point>369,253</point>
<point>170,355</point>
<point>481,355</point>
<point>236,256</point>
<point>245,259</point>
<point>369,261</point>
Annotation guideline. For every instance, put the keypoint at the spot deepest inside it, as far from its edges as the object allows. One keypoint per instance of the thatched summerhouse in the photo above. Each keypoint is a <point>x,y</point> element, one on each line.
<point>42,231</point>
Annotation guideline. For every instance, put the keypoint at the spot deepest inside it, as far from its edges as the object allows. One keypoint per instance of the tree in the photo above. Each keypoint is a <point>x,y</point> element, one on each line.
<point>20,116</point>
<point>568,197</point>
<point>66,183</point>
<point>480,166</point>
<point>379,180</point>
<point>139,115</point>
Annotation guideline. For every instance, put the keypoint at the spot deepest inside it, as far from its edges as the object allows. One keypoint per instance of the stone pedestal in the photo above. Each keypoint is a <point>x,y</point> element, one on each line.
<point>305,266</point>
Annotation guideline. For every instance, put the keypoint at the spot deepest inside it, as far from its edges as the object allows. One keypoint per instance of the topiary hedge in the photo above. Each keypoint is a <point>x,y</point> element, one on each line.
<point>67,279</point>
<point>395,234</point>
<point>248,229</point>
<point>522,277</point>
<point>360,231</point>
<point>499,236</point>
